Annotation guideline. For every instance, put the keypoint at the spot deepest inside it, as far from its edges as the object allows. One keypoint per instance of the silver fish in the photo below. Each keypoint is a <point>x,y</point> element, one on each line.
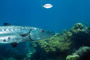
<point>16,34</point>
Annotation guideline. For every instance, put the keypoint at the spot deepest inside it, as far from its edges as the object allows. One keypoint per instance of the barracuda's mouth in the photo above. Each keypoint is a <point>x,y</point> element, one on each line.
<point>51,33</point>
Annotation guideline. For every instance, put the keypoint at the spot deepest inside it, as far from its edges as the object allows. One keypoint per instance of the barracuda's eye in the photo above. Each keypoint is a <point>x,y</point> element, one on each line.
<point>42,31</point>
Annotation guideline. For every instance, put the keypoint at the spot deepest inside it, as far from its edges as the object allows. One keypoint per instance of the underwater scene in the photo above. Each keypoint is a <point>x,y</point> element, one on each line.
<point>44,29</point>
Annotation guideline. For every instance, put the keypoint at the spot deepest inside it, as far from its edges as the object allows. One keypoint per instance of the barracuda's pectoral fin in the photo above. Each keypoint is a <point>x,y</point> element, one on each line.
<point>14,44</point>
<point>7,24</point>
<point>23,35</point>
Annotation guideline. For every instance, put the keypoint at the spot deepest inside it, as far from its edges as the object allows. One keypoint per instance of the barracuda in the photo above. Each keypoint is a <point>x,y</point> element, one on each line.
<point>16,34</point>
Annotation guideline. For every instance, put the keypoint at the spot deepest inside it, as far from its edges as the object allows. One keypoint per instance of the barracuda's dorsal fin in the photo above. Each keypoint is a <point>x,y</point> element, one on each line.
<point>7,24</point>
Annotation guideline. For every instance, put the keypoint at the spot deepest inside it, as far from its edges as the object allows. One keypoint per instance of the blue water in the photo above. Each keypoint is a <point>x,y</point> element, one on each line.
<point>63,15</point>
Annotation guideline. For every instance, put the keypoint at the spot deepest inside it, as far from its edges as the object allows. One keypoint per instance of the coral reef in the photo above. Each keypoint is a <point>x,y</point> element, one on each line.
<point>53,47</point>
<point>64,43</point>
<point>72,57</point>
<point>57,47</point>
<point>83,53</point>
<point>57,43</point>
<point>80,35</point>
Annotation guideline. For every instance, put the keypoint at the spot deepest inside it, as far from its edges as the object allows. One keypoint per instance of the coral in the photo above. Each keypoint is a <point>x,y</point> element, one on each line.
<point>72,57</point>
<point>64,43</point>
<point>80,35</point>
<point>53,47</point>
<point>82,50</point>
<point>29,53</point>
<point>83,53</point>
<point>78,27</point>
<point>56,43</point>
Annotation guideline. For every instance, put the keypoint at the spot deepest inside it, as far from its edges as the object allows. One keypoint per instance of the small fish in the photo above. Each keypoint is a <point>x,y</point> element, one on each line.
<point>15,34</point>
<point>47,6</point>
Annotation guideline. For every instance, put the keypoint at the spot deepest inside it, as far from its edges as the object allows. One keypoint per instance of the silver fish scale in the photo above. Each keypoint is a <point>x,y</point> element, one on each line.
<point>4,30</point>
<point>10,39</point>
